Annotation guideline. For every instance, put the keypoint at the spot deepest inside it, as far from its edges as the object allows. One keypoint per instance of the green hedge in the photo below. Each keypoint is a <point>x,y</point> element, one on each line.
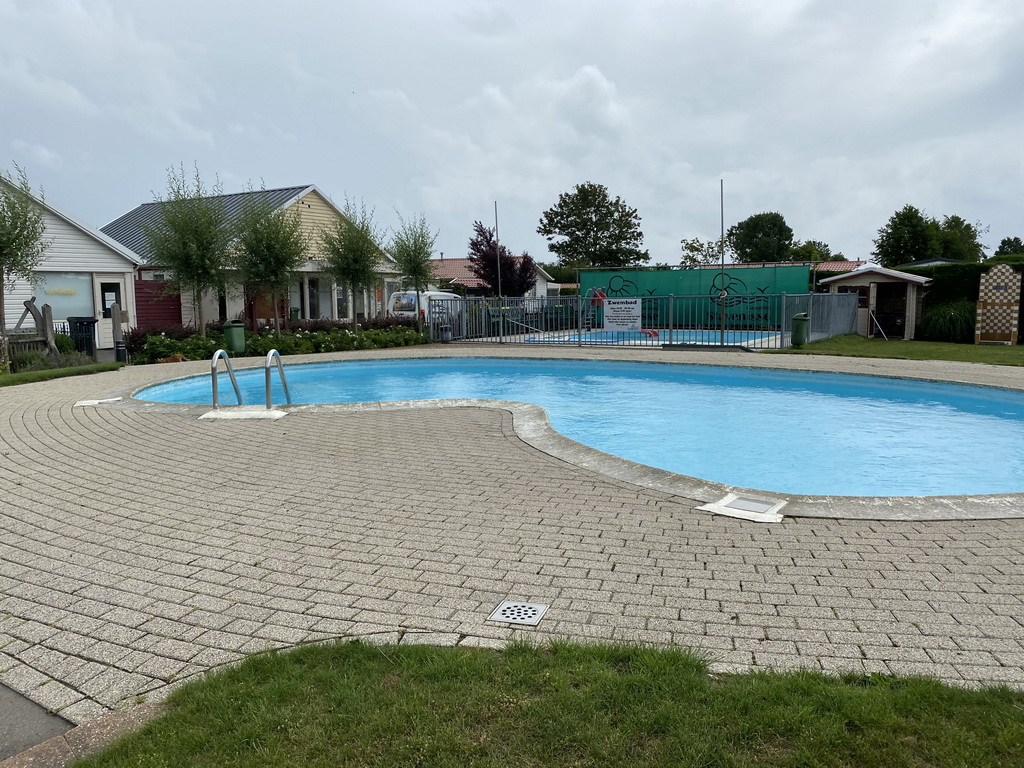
<point>196,347</point>
<point>959,282</point>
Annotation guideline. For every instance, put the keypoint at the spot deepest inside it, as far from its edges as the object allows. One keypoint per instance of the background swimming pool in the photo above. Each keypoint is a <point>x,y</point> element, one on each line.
<point>676,336</point>
<point>783,431</point>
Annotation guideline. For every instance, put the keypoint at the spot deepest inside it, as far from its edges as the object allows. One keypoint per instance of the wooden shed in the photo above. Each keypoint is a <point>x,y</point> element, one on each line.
<point>890,301</point>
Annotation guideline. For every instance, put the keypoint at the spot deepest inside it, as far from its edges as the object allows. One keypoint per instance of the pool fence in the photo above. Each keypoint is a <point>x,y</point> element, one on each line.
<point>752,321</point>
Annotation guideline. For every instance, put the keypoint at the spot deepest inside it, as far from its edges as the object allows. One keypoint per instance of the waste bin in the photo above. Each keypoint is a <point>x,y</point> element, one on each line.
<point>82,331</point>
<point>293,314</point>
<point>445,333</point>
<point>234,336</point>
<point>801,322</point>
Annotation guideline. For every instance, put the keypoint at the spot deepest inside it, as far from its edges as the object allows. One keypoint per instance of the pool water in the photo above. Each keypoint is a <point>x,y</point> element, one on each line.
<point>784,431</point>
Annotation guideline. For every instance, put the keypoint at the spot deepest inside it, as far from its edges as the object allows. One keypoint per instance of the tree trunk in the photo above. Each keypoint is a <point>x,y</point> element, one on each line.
<point>5,350</point>
<point>197,302</point>
<point>277,322</point>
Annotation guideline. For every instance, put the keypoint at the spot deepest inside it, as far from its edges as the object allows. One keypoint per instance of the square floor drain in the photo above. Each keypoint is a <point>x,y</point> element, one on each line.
<point>511,612</point>
<point>747,508</point>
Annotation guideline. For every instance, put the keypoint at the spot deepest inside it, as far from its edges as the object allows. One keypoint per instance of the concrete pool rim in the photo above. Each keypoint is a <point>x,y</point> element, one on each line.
<point>530,424</point>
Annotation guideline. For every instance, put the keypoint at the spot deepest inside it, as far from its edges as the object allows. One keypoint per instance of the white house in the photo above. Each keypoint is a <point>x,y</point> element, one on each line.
<point>82,274</point>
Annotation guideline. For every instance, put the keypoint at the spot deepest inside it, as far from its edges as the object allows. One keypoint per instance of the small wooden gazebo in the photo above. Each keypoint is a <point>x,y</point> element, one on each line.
<point>890,301</point>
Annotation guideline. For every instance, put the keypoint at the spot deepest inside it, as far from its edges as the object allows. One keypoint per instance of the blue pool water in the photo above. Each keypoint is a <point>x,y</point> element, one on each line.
<point>677,336</point>
<point>782,431</point>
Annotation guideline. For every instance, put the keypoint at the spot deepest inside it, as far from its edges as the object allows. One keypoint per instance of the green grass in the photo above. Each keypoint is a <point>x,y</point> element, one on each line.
<point>350,704</point>
<point>30,377</point>
<point>853,345</point>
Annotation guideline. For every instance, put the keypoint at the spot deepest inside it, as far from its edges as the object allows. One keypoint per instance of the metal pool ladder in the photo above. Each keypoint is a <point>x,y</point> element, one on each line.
<point>231,374</point>
<point>271,355</point>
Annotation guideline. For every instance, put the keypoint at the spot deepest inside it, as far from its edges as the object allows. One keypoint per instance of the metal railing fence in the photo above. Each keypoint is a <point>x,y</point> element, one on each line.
<point>754,321</point>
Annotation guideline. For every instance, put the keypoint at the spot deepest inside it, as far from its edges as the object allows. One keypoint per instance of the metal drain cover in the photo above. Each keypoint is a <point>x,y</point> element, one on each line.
<point>746,507</point>
<point>511,612</point>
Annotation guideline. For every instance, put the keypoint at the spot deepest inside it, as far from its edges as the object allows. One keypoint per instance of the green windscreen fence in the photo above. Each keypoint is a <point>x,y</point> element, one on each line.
<point>699,292</point>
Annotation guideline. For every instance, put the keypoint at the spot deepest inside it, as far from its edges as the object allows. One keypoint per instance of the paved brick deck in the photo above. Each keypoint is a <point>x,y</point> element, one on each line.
<point>141,546</point>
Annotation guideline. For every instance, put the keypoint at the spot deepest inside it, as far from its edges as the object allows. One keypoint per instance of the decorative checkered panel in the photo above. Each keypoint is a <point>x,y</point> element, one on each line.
<point>998,313</point>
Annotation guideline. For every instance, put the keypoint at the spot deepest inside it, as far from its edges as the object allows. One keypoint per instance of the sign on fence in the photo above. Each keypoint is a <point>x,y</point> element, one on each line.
<point>622,314</point>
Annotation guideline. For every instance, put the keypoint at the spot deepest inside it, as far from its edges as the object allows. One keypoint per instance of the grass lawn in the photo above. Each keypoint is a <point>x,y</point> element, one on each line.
<point>350,704</point>
<point>853,345</point>
<point>29,377</point>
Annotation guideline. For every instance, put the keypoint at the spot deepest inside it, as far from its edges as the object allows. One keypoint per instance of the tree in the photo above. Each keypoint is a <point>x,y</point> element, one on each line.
<point>908,236</point>
<point>958,239</point>
<point>1009,246</point>
<point>763,237</point>
<point>517,276</point>
<point>814,250</point>
<point>697,251</point>
<point>412,246</point>
<point>586,228</point>
<point>270,248</point>
<point>352,250</point>
<point>22,244</point>
<point>559,273</point>
<point>191,238</point>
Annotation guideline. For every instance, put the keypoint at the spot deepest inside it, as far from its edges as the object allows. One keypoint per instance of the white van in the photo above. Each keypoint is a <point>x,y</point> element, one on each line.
<point>403,303</point>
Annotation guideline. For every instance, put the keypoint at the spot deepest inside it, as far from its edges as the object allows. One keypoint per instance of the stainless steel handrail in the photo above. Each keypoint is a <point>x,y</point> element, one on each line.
<point>231,374</point>
<point>280,369</point>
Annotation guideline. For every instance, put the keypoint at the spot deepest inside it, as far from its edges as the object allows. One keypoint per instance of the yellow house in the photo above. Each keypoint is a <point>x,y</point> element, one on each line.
<point>890,301</point>
<point>314,295</point>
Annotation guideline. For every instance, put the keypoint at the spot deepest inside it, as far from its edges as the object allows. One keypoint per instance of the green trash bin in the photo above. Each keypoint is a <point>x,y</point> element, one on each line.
<point>801,322</point>
<point>234,336</point>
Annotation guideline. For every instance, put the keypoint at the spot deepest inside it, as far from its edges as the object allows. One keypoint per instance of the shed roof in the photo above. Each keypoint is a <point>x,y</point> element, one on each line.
<point>874,269</point>
<point>821,266</point>
<point>457,272</point>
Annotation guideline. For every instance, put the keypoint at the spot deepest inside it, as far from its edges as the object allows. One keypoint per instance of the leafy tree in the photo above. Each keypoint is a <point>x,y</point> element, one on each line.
<point>352,249</point>
<point>586,228</point>
<point>22,244</point>
<point>763,237</point>
<point>814,250</point>
<point>270,248</point>
<point>697,251</point>
<point>1009,246</point>
<point>412,246</point>
<point>559,273</point>
<point>486,257</point>
<point>909,235</point>
<point>959,239</point>
<point>191,239</point>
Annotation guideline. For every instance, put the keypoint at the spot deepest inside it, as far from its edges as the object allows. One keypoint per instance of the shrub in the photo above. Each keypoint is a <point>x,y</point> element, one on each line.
<point>64,343</point>
<point>952,321</point>
<point>74,359</point>
<point>31,360</point>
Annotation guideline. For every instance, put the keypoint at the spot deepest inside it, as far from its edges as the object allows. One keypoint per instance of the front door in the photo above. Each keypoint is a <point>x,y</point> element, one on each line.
<point>107,291</point>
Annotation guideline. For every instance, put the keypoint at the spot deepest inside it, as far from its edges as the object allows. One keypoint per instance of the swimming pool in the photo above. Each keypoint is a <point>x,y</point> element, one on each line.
<point>783,431</point>
<point>663,336</point>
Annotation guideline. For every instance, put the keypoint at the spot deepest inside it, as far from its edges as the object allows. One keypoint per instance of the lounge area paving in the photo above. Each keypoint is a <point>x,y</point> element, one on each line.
<point>140,547</point>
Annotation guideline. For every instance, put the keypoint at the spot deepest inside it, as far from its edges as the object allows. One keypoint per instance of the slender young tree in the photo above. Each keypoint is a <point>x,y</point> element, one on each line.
<point>412,246</point>
<point>697,251</point>
<point>518,276</point>
<point>22,244</point>
<point>270,248</point>
<point>352,250</point>
<point>191,238</point>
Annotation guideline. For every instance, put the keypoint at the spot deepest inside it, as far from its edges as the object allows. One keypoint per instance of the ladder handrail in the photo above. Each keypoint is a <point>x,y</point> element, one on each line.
<point>231,374</point>
<point>280,369</point>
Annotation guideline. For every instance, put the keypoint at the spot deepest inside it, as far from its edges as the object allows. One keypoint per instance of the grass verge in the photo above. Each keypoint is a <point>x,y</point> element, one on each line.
<point>30,377</point>
<point>853,345</point>
<point>562,705</point>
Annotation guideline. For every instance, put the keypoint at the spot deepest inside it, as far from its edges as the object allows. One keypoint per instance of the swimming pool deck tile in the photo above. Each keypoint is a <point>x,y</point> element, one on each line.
<point>141,546</point>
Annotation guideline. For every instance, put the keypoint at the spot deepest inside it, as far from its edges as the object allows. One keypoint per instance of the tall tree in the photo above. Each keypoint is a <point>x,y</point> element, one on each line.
<point>191,238</point>
<point>1009,246</point>
<point>958,239</point>
<point>22,244</point>
<point>697,251</point>
<point>486,257</point>
<point>412,246</point>
<point>586,228</point>
<point>352,249</point>
<point>909,235</point>
<point>270,249</point>
<point>763,237</point>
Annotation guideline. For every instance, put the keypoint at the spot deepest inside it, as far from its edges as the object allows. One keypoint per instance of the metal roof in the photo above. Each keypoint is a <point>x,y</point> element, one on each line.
<point>129,230</point>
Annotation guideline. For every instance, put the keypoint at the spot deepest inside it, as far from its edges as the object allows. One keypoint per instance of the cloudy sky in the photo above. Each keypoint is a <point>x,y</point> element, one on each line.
<point>834,114</point>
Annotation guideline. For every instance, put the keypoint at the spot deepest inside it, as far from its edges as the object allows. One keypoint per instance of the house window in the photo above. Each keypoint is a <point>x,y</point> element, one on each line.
<point>862,291</point>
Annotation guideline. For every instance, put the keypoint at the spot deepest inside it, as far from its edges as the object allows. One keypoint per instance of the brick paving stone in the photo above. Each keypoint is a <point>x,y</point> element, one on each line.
<point>113,583</point>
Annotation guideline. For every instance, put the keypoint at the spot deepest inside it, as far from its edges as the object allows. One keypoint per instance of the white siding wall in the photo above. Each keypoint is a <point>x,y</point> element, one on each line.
<point>72,250</point>
<point>13,306</point>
